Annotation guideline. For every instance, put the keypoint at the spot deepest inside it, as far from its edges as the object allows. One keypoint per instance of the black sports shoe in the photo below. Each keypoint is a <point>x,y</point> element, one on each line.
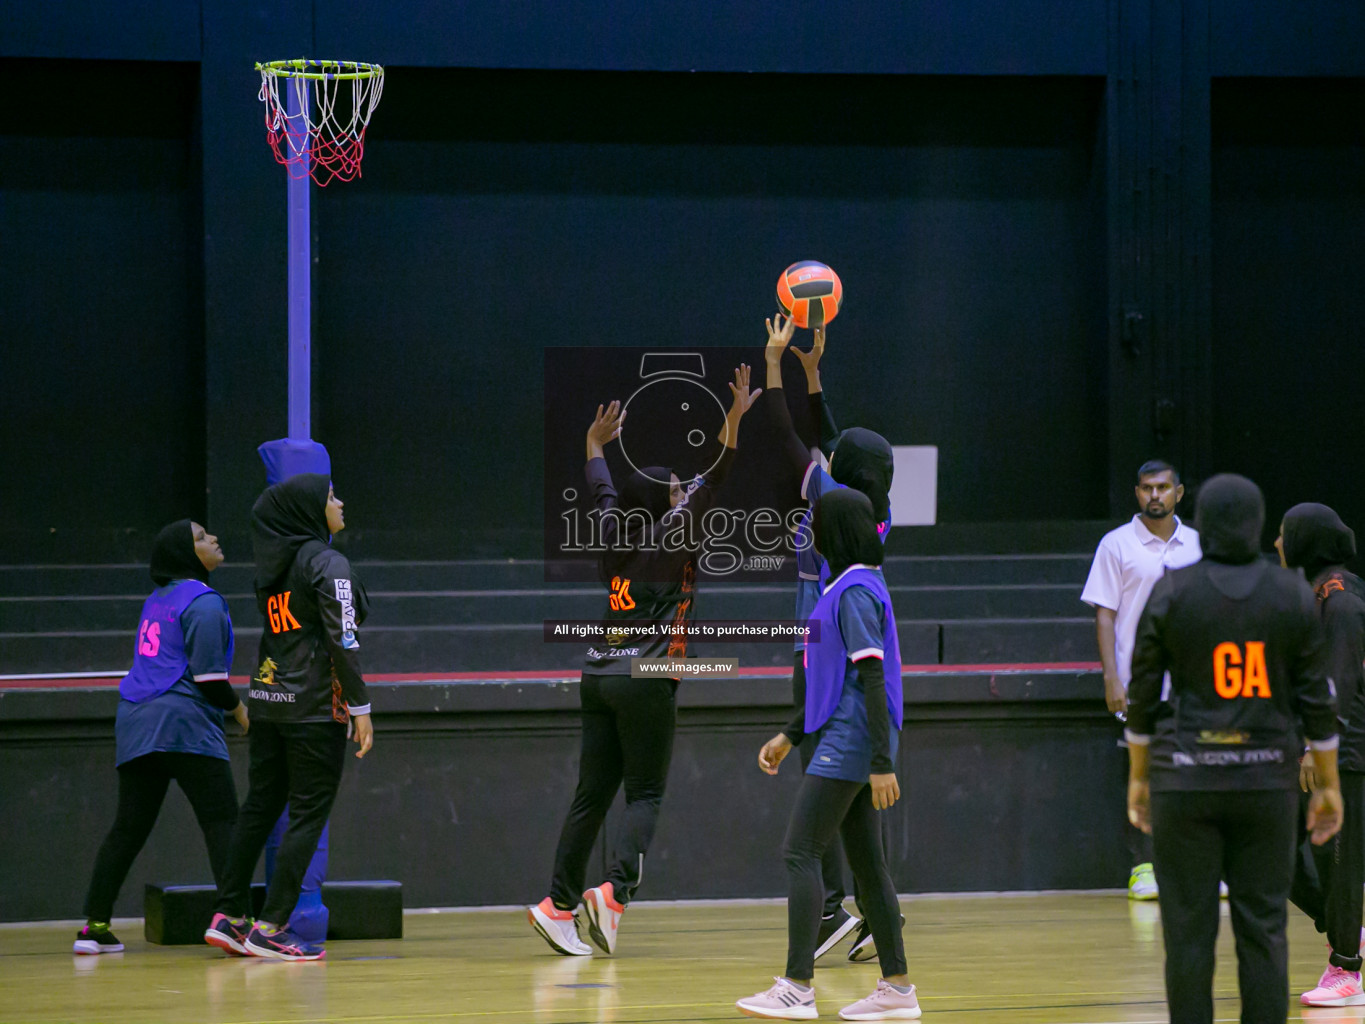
<point>864,947</point>
<point>832,930</point>
<point>95,938</point>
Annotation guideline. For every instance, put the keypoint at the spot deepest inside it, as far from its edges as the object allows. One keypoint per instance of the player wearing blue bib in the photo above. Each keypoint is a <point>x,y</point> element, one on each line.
<point>170,720</point>
<point>859,459</point>
<point>852,707</point>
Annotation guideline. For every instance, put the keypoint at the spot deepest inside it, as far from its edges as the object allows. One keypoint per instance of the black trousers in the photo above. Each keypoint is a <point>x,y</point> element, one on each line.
<point>1328,879</point>
<point>142,785</point>
<point>298,764</point>
<point>627,738</point>
<point>826,808</point>
<point>832,864</point>
<point>1247,839</point>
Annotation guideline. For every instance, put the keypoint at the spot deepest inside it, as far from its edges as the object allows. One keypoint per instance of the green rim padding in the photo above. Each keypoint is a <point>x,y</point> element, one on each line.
<point>317,69</point>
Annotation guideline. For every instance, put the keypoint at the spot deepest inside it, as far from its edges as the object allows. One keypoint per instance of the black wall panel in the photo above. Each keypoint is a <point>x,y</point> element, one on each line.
<point>1289,288</point>
<point>101,298</point>
<point>961,214</point>
<point>464,793</point>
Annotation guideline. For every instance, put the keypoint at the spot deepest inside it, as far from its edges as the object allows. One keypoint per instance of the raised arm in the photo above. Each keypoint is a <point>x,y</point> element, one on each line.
<point>794,451</point>
<point>700,495</point>
<point>605,427</point>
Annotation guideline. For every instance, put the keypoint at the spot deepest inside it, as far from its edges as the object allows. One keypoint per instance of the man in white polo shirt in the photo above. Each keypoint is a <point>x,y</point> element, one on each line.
<point>1127,565</point>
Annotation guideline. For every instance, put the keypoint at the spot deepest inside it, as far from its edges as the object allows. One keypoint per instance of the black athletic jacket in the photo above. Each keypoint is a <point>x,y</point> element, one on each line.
<point>1237,646</point>
<point>1317,541</point>
<point>309,667</point>
<point>651,579</point>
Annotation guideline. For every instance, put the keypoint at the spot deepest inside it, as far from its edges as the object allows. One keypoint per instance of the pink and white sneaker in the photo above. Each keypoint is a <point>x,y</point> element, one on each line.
<point>885,1003</point>
<point>558,928</point>
<point>784,1001</point>
<point>1336,987</point>
<point>604,916</point>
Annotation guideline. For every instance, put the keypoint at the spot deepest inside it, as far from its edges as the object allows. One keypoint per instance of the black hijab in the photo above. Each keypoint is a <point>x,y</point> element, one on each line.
<point>862,460</point>
<point>846,530</point>
<point>648,490</point>
<point>1230,517</point>
<point>174,557</point>
<point>284,518</point>
<point>1315,538</point>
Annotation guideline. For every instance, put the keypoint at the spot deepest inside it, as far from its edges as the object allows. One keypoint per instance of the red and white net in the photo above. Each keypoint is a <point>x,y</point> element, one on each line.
<point>334,100</point>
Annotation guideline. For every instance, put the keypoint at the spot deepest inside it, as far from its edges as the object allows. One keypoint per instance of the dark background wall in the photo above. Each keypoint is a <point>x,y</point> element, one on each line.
<point>463,796</point>
<point>1071,235</point>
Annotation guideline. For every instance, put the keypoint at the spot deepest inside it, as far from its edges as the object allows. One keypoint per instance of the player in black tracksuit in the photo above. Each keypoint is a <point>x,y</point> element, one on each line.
<point>306,696</point>
<point>652,535</point>
<point>1327,884</point>
<point>1239,647</point>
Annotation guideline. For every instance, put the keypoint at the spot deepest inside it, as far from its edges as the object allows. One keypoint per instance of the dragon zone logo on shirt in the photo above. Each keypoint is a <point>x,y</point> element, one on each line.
<point>343,593</point>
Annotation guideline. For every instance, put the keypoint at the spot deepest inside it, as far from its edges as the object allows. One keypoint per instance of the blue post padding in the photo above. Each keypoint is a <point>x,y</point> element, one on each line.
<point>287,457</point>
<point>309,919</point>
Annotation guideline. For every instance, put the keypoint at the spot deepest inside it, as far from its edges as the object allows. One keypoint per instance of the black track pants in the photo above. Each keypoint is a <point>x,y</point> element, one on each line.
<point>142,785</point>
<point>627,738</point>
<point>1247,839</point>
<point>826,808</point>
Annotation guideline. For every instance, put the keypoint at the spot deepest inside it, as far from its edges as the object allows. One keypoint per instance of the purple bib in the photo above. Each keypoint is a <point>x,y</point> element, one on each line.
<point>827,658</point>
<point>160,659</point>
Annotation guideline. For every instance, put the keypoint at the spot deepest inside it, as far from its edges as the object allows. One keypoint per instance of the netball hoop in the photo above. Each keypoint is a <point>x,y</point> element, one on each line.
<point>319,128</point>
<point>316,113</point>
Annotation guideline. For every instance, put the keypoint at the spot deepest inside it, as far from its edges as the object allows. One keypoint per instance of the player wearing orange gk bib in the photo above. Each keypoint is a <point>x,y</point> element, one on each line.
<point>628,723</point>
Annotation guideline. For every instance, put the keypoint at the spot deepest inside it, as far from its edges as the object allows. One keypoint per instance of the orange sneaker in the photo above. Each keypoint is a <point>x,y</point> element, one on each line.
<point>604,916</point>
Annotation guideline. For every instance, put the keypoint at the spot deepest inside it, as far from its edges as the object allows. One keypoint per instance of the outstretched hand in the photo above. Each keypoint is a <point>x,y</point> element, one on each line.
<point>743,397</point>
<point>810,361</point>
<point>606,426</point>
<point>780,331</point>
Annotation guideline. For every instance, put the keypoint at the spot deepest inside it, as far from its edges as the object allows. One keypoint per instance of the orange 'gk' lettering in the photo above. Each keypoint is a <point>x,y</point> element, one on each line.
<point>277,612</point>
<point>620,599</point>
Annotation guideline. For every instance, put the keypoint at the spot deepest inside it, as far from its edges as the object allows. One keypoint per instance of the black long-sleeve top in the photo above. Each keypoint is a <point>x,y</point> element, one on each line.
<point>652,577</point>
<point>1340,602</point>
<point>1246,658</point>
<point>309,667</point>
<point>796,450</point>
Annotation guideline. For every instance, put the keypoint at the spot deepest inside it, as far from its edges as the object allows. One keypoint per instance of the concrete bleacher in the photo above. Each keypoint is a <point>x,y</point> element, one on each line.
<point>487,615</point>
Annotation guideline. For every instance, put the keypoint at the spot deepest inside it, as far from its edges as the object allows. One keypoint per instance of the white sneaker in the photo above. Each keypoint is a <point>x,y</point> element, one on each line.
<point>557,927</point>
<point>784,1001</point>
<point>604,916</point>
<point>885,1003</point>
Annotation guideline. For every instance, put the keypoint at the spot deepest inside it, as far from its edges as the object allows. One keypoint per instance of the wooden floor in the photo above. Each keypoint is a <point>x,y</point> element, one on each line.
<point>1089,958</point>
